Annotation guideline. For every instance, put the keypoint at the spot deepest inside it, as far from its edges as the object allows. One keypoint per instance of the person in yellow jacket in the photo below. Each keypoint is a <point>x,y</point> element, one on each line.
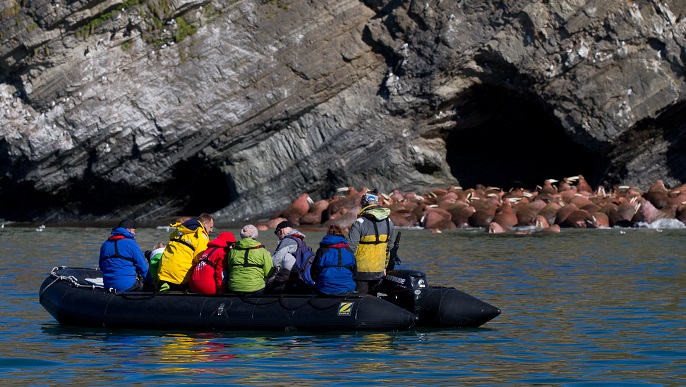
<point>370,237</point>
<point>186,243</point>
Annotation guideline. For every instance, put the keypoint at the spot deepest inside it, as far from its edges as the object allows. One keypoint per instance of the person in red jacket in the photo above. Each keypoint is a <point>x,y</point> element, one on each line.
<point>208,274</point>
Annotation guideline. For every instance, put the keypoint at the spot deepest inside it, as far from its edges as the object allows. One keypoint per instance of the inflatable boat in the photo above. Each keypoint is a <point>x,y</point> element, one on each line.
<point>76,297</point>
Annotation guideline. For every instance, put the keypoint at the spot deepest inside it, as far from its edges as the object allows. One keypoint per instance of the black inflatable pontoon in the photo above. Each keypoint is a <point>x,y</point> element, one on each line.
<point>73,297</point>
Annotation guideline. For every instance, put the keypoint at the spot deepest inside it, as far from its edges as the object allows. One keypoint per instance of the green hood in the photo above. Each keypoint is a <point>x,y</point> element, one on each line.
<point>247,243</point>
<point>378,212</point>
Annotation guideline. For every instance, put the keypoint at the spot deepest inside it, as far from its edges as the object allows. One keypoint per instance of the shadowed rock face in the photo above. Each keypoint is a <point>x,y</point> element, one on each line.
<point>238,107</point>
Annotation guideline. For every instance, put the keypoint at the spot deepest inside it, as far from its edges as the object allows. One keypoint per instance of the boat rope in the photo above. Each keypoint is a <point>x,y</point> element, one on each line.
<point>280,300</point>
<point>244,298</point>
<point>309,300</point>
<point>139,295</point>
<point>71,279</point>
<point>75,283</point>
<point>58,278</point>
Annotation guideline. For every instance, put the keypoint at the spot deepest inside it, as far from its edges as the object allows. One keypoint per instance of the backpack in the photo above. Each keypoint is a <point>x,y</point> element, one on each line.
<point>304,257</point>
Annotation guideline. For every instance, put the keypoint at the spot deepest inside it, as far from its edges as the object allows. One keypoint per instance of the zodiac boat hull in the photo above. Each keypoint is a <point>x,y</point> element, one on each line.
<point>72,298</point>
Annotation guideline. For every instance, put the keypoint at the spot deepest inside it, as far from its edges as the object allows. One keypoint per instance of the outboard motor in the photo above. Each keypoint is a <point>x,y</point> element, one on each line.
<point>436,306</point>
<point>405,288</point>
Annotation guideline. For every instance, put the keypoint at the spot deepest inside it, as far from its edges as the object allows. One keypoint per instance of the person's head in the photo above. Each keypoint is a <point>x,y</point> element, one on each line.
<point>249,231</point>
<point>128,224</point>
<point>225,238</point>
<point>207,221</point>
<point>335,230</point>
<point>283,228</point>
<point>368,199</point>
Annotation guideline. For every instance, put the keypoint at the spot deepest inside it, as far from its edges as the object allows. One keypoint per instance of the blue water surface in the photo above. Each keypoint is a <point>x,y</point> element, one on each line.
<point>584,307</point>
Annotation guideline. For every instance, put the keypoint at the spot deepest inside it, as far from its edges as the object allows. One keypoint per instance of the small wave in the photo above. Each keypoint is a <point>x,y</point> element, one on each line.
<point>409,228</point>
<point>662,224</point>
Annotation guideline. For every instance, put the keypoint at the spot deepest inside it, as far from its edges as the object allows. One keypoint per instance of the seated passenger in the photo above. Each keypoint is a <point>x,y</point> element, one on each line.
<point>186,243</point>
<point>123,265</point>
<point>287,259</point>
<point>208,274</point>
<point>153,257</point>
<point>249,264</point>
<point>334,264</point>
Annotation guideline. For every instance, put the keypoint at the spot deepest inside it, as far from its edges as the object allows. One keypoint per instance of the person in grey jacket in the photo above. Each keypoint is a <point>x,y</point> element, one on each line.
<point>291,246</point>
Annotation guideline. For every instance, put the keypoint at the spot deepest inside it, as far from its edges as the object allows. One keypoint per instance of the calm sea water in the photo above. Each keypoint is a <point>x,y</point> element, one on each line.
<point>584,307</point>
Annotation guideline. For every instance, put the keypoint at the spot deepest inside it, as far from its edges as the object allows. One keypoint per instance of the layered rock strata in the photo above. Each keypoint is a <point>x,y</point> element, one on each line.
<point>153,108</point>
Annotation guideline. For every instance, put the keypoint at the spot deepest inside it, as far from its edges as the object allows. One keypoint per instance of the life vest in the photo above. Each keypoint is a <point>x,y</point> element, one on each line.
<point>115,239</point>
<point>205,258</point>
<point>372,249</point>
<point>204,277</point>
<point>122,266</point>
<point>249,264</point>
<point>183,250</point>
<point>245,262</point>
<point>324,250</point>
<point>334,269</point>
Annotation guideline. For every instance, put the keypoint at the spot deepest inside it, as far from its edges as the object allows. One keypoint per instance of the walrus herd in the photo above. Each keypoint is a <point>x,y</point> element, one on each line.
<point>571,203</point>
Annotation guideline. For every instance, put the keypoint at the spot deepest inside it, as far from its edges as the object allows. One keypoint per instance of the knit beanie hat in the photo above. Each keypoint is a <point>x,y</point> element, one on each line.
<point>249,231</point>
<point>127,223</point>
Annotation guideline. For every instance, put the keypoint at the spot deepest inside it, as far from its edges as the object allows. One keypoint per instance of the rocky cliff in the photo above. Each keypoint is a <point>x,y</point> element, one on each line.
<point>153,108</point>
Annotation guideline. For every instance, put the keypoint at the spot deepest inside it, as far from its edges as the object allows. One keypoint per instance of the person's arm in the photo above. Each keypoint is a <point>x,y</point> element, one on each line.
<point>283,258</point>
<point>316,265</point>
<point>229,264</point>
<point>281,269</point>
<point>268,265</point>
<point>140,262</point>
<point>391,234</point>
<point>102,254</point>
<point>353,267</point>
<point>354,234</point>
<point>389,246</point>
<point>201,244</point>
<point>280,276</point>
<point>219,269</point>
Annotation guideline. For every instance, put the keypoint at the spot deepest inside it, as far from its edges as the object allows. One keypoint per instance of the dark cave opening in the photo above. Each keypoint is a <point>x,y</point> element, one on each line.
<point>196,188</point>
<point>508,140</point>
<point>674,123</point>
<point>204,188</point>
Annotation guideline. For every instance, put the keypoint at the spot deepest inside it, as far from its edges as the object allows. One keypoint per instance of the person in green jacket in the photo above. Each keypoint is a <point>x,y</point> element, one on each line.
<point>154,257</point>
<point>249,264</point>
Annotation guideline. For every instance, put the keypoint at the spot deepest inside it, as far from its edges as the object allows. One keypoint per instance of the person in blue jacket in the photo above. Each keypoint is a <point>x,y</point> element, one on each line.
<point>334,264</point>
<point>123,264</point>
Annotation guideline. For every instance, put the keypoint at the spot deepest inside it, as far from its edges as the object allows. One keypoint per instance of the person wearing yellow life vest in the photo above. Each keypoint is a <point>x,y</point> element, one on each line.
<point>370,237</point>
<point>186,243</point>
